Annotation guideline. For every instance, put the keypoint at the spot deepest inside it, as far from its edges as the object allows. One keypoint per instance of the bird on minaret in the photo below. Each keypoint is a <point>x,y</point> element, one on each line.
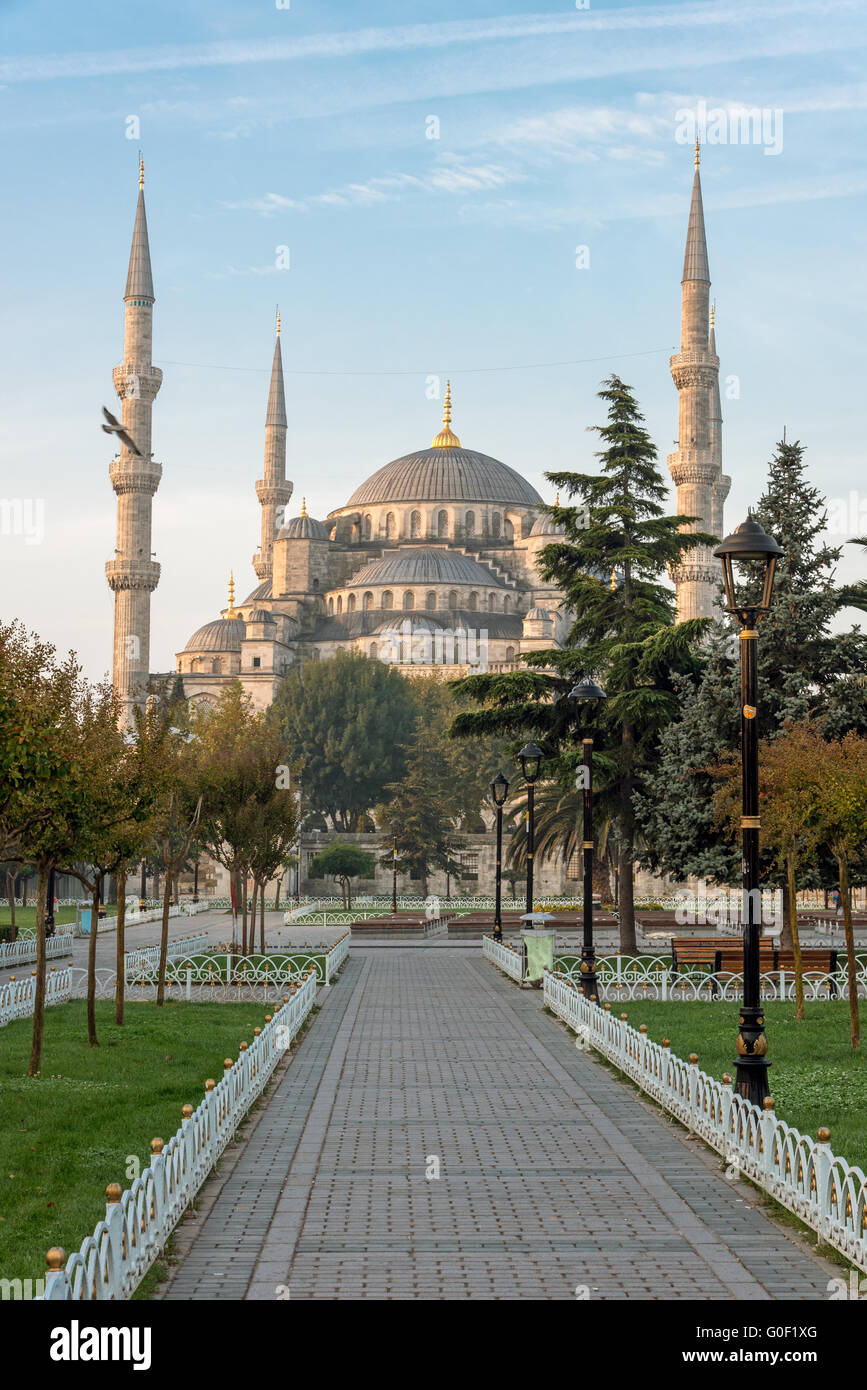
<point>115,427</point>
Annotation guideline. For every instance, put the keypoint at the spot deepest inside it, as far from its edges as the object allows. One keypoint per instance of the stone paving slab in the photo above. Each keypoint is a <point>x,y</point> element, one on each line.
<point>553,1175</point>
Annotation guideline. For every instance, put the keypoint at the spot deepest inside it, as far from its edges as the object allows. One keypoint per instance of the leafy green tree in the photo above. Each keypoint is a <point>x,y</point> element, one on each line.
<point>343,862</point>
<point>622,632</point>
<point>350,719</point>
<point>424,807</point>
<point>805,670</point>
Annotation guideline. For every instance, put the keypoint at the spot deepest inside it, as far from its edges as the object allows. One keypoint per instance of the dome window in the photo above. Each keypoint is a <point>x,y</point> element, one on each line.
<point>350,604</point>
<point>408,600</point>
<point>390,527</point>
<point>470,524</point>
<point>388,599</point>
<point>443,525</point>
<point>431,602</point>
<point>453,600</point>
<point>415,526</point>
<point>367,602</point>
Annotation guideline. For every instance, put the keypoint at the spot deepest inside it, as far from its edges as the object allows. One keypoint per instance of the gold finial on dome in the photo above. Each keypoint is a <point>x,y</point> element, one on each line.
<point>697,154</point>
<point>140,169</point>
<point>303,506</point>
<point>230,611</point>
<point>614,581</point>
<point>278,320</point>
<point>557,499</point>
<point>446,439</point>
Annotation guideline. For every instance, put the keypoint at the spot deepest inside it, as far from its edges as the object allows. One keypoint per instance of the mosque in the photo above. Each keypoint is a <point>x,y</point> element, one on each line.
<point>431,564</point>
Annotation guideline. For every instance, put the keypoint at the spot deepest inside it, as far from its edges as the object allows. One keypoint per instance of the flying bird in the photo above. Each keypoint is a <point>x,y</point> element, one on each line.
<point>115,427</point>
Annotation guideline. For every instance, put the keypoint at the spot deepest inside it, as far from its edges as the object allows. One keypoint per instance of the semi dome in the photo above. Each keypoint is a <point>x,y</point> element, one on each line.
<point>222,635</point>
<point>538,615</point>
<point>424,566</point>
<point>261,615</point>
<point>546,526</point>
<point>303,527</point>
<point>446,472</point>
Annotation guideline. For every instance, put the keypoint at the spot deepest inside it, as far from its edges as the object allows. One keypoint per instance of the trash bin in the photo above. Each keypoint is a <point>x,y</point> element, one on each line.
<point>537,945</point>
<point>84,923</point>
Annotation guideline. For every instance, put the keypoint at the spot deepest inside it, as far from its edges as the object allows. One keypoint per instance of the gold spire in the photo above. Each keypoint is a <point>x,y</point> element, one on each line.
<point>446,439</point>
<point>230,612</point>
<point>303,506</point>
<point>557,499</point>
<point>140,169</point>
<point>712,312</point>
<point>697,154</point>
<point>278,320</point>
<point>614,581</point>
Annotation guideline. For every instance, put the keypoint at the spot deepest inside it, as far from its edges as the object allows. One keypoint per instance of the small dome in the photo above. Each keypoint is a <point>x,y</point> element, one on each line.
<point>261,615</point>
<point>261,591</point>
<point>545,525</point>
<point>223,635</point>
<point>425,566</point>
<point>538,615</point>
<point>303,528</point>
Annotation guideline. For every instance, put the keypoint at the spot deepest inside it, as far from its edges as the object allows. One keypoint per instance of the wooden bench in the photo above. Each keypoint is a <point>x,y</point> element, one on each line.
<point>771,962</point>
<point>698,950</point>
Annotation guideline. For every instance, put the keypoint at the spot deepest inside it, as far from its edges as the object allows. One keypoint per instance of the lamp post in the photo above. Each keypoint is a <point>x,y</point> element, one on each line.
<point>589,693</point>
<point>394,829</point>
<point>530,759</point>
<point>499,792</point>
<point>750,542</point>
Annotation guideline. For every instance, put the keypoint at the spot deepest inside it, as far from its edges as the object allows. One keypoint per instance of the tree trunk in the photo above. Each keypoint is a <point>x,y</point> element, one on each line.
<point>10,893</point>
<point>254,901</point>
<point>262,917</point>
<point>787,934</point>
<point>244,914</point>
<point>120,981</point>
<point>851,962</point>
<point>93,1040</point>
<point>792,897</point>
<point>349,894</point>
<point>164,938</point>
<point>601,879</point>
<point>39,999</point>
<point>628,943</point>
<point>628,940</point>
<point>277,894</point>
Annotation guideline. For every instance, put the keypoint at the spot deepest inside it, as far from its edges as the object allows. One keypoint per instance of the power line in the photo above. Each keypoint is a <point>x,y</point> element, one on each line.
<point>455,371</point>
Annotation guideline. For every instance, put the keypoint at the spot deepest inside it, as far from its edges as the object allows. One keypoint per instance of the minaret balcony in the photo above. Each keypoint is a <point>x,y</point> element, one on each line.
<point>136,381</point>
<point>273,494</point>
<point>695,466</point>
<point>131,474</point>
<point>132,574</point>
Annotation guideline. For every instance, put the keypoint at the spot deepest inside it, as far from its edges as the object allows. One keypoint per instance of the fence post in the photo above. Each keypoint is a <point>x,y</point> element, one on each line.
<point>782,984</point>
<point>189,983</point>
<point>821,1172</point>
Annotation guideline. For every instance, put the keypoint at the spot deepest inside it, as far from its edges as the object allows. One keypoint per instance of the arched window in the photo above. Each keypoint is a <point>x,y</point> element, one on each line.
<point>374,650</point>
<point>431,601</point>
<point>453,600</point>
<point>473,601</point>
<point>507,604</point>
<point>443,525</point>
<point>495,525</point>
<point>390,526</point>
<point>367,530</point>
<point>508,531</point>
<point>408,600</point>
<point>367,602</point>
<point>470,524</point>
<point>510,653</point>
<point>340,603</point>
<point>350,603</point>
<point>415,526</point>
<point>331,605</point>
<point>387,599</point>
<point>492,602</point>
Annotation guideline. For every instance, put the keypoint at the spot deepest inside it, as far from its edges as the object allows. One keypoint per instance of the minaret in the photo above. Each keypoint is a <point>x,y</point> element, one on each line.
<point>696,465</point>
<point>273,490</point>
<point>723,483</point>
<point>132,575</point>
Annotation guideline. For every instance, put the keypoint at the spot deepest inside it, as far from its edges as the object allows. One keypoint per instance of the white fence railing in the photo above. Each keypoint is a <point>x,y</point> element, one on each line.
<point>507,957</point>
<point>621,978</point>
<point>148,957</point>
<point>821,1188</point>
<point>112,1262</point>
<point>17,997</point>
<point>23,951</point>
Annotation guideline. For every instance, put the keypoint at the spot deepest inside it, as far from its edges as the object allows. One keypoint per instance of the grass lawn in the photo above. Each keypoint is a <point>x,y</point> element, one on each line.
<point>25,917</point>
<point>67,1134</point>
<point>816,1079</point>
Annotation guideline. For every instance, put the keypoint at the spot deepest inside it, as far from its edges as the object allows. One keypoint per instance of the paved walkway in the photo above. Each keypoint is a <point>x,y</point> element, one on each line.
<point>553,1176</point>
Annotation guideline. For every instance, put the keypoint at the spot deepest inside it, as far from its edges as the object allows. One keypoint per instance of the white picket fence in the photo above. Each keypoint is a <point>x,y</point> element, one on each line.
<point>821,1188</point>
<point>23,951</point>
<point>112,1262</point>
<point>18,997</point>
<point>148,957</point>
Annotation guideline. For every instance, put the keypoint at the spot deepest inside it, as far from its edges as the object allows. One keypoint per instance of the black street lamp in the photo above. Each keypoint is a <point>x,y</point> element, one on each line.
<point>499,792</point>
<point>588,693</point>
<point>750,542</point>
<point>530,758</point>
<point>394,830</point>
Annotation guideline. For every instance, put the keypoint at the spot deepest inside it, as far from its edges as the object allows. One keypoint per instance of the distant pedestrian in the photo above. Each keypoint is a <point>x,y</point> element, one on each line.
<point>837,900</point>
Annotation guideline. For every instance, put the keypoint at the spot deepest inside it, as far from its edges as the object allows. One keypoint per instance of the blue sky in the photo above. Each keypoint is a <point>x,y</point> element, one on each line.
<point>307,127</point>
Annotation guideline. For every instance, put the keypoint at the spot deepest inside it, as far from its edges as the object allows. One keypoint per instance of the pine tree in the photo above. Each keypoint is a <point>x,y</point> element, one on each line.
<point>804,670</point>
<point>610,566</point>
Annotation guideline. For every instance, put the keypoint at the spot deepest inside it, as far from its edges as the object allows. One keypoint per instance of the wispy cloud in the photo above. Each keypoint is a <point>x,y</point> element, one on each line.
<point>403,38</point>
<point>454,176</point>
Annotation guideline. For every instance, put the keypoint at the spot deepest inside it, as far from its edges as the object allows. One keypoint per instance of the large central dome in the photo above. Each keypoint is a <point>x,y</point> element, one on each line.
<point>446,472</point>
<point>446,475</point>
